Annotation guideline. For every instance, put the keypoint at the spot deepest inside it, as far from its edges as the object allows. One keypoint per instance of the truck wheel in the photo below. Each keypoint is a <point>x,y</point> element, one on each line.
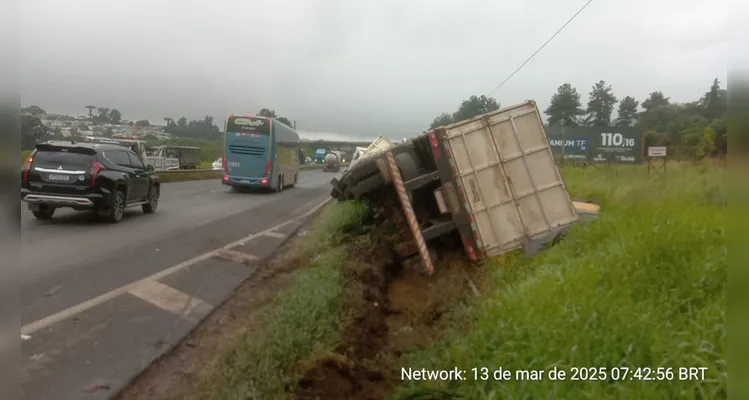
<point>365,186</point>
<point>117,208</point>
<point>44,213</point>
<point>153,201</point>
<point>408,166</point>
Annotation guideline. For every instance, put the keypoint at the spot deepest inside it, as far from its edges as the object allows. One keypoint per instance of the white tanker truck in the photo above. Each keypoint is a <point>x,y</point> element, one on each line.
<point>331,163</point>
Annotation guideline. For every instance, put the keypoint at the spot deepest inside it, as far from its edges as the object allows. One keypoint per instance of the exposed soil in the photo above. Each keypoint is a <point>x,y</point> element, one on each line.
<point>396,307</point>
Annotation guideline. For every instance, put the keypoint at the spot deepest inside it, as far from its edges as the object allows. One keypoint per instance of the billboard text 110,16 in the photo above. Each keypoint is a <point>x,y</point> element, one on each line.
<point>601,144</point>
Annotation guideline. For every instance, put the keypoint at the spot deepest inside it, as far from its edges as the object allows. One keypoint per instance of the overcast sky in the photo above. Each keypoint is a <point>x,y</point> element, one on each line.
<point>355,68</point>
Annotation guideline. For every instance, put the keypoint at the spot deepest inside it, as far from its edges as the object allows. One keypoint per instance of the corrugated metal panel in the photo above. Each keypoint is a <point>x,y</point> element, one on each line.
<point>507,170</point>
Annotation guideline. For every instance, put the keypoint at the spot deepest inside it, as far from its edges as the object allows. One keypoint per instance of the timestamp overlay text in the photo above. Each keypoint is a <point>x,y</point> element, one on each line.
<point>558,374</point>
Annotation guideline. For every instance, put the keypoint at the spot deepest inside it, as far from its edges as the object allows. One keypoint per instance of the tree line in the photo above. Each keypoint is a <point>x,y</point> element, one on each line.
<point>33,130</point>
<point>206,128</point>
<point>266,112</point>
<point>104,115</point>
<point>696,128</point>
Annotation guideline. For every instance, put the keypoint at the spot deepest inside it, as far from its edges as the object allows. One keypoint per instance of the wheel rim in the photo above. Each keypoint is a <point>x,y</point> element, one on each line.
<point>118,207</point>
<point>155,199</point>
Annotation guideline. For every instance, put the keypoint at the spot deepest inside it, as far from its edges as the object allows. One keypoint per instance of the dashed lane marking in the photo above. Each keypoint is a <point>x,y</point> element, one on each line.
<point>237,256</point>
<point>49,320</point>
<point>277,235</point>
<point>172,300</point>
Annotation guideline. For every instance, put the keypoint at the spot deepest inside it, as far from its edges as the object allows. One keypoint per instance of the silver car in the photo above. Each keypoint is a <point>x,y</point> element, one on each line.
<point>216,165</point>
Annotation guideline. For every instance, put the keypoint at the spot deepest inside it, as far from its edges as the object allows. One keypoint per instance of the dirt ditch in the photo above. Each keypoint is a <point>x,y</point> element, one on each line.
<point>395,308</point>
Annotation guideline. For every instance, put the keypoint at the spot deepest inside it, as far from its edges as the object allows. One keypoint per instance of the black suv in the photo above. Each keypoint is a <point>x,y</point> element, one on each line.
<point>84,176</point>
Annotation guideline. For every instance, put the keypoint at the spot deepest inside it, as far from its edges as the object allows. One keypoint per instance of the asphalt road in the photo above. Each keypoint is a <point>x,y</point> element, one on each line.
<point>100,301</point>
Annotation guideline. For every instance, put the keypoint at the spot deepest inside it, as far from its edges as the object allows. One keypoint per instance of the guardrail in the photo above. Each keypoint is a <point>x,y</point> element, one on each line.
<point>206,170</point>
<point>187,171</point>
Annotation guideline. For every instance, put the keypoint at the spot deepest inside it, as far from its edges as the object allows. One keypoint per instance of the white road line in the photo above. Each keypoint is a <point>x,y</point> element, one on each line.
<point>172,300</point>
<point>237,256</point>
<point>277,235</point>
<point>45,322</point>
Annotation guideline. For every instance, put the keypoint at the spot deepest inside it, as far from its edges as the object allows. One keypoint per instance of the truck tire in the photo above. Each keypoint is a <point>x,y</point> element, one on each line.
<point>408,166</point>
<point>365,186</point>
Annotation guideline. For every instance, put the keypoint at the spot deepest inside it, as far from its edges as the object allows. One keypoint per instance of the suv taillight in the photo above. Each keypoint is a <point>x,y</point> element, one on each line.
<point>223,163</point>
<point>96,167</point>
<point>268,168</point>
<point>27,168</point>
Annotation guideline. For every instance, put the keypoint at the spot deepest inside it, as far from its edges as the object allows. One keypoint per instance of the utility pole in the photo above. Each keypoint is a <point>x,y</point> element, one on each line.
<point>294,124</point>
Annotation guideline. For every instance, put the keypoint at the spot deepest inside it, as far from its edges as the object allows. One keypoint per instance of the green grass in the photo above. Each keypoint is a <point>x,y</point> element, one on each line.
<point>643,286</point>
<point>305,318</point>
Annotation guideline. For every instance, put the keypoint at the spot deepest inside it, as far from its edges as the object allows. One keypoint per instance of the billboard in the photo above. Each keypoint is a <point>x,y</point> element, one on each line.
<point>574,149</point>
<point>597,144</point>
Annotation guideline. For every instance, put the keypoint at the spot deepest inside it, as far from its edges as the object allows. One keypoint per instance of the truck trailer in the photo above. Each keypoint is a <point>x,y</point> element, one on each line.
<point>489,181</point>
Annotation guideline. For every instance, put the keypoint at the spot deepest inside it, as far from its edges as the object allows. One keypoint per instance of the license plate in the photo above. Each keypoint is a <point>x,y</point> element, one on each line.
<point>247,182</point>
<point>58,177</point>
<point>440,201</point>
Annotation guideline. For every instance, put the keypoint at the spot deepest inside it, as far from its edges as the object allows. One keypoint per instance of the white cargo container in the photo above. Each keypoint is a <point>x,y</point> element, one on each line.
<point>514,189</point>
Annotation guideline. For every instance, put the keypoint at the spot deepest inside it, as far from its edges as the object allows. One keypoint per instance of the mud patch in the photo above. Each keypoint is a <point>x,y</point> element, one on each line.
<point>394,308</point>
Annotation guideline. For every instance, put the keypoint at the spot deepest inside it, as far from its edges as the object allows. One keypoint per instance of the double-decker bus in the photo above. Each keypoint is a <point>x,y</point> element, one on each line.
<point>260,152</point>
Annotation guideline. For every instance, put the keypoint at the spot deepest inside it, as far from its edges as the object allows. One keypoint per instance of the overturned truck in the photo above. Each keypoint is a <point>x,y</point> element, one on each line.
<point>489,182</point>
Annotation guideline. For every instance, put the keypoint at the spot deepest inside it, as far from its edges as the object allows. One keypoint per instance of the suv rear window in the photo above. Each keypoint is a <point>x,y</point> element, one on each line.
<point>56,159</point>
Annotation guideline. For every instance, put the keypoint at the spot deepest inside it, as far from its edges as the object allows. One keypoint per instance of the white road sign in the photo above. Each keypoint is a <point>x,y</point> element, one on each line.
<point>657,151</point>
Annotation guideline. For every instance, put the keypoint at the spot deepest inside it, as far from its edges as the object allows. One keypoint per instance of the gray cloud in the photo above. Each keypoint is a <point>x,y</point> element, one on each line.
<point>359,68</point>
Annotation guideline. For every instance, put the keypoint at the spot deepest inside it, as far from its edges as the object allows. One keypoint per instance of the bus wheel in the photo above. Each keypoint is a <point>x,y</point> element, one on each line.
<point>279,186</point>
<point>296,179</point>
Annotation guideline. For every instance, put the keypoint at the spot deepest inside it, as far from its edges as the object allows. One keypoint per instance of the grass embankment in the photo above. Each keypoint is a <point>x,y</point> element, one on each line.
<point>643,286</point>
<point>261,362</point>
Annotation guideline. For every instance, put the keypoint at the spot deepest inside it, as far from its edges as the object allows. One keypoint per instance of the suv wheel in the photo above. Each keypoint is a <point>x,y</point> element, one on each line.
<point>44,213</point>
<point>117,209</point>
<point>153,201</point>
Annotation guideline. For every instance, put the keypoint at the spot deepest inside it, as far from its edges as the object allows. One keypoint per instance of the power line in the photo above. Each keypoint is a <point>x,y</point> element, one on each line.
<point>541,48</point>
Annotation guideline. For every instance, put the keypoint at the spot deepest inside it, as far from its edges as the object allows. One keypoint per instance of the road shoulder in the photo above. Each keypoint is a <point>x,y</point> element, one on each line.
<point>173,375</point>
